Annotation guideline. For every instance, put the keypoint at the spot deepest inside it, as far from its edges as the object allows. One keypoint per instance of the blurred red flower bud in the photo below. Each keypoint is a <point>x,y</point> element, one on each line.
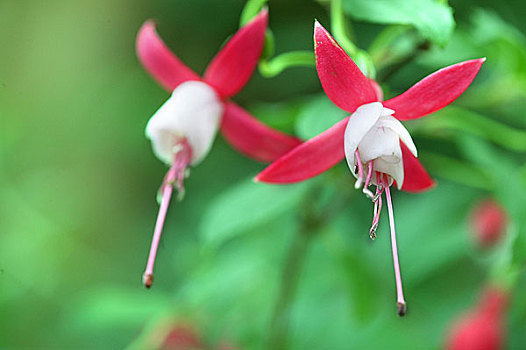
<point>483,327</point>
<point>488,222</point>
<point>182,338</point>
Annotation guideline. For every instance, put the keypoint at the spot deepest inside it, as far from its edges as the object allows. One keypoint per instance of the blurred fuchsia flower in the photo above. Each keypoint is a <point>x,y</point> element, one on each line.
<point>186,337</point>
<point>378,148</point>
<point>488,222</point>
<point>183,129</point>
<point>484,327</point>
<point>182,337</point>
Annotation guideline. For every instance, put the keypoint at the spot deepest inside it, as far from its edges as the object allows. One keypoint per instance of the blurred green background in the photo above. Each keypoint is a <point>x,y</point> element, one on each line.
<point>78,183</point>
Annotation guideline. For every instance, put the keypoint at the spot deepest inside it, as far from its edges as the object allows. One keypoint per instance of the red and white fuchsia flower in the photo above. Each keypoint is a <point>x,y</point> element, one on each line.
<point>183,129</point>
<point>378,148</point>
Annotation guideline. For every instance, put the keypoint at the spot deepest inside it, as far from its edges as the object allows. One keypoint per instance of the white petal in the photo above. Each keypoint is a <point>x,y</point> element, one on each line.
<point>193,111</point>
<point>395,170</point>
<point>383,146</point>
<point>380,142</point>
<point>386,112</point>
<point>360,122</point>
<point>395,125</point>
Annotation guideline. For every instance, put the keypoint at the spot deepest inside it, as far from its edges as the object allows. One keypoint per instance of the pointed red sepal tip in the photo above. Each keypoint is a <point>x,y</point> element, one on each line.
<point>435,91</point>
<point>232,67</point>
<point>402,308</point>
<point>342,80</point>
<point>162,64</point>
<point>147,280</point>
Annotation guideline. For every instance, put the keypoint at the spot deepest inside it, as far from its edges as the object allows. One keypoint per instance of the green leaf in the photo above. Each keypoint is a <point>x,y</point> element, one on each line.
<point>278,115</point>
<point>114,307</point>
<point>317,115</point>
<point>457,170</point>
<point>470,122</point>
<point>247,205</point>
<point>433,19</point>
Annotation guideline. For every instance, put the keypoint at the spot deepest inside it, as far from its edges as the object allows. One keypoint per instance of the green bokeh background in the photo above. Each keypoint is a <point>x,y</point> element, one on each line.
<point>78,183</point>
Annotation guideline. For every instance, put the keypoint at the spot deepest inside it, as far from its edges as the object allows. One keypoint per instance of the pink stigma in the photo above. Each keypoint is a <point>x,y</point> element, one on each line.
<point>401,305</point>
<point>174,177</point>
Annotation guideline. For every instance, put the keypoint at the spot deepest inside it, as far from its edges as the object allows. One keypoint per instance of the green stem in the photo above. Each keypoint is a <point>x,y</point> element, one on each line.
<point>311,221</point>
<point>341,32</point>
<point>280,322</point>
<point>389,72</point>
<point>383,49</point>
<point>273,67</point>
<point>251,9</point>
<point>339,27</point>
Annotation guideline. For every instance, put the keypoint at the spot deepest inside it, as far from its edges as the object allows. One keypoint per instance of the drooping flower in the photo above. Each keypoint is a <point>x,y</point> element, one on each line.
<point>378,148</point>
<point>183,129</point>
<point>488,222</point>
<point>483,328</point>
<point>182,337</point>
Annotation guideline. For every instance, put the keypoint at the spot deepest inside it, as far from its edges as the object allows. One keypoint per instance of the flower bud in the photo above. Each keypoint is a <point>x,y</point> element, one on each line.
<point>488,222</point>
<point>483,327</point>
<point>182,338</point>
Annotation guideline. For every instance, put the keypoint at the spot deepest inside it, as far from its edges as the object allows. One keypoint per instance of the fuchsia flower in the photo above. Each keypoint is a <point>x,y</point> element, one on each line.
<point>484,327</point>
<point>182,337</point>
<point>378,148</point>
<point>183,129</point>
<point>488,222</point>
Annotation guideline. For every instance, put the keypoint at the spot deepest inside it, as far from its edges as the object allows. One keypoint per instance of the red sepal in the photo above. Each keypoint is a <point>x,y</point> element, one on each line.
<point>253,138</point>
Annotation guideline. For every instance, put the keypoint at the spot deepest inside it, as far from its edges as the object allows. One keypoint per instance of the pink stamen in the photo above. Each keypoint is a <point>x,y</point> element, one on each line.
<point>377,199</point>
<point>379,187</point>
<point>399,291</point>
<point>174,176</point>
<point>369,174</point>
<point>368,180</point>
<point>376,217</point>
<point>359,181</point>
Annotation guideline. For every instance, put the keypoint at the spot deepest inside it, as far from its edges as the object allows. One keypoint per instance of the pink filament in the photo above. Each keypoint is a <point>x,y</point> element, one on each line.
<point>369,174</point>
<point>174,176</point>
<point>360,167</point>
<point>399,290</point>
<point>377,211</point>
<point>377,207</point>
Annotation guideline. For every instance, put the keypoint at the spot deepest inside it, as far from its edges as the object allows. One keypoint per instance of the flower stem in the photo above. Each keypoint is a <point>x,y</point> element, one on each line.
<point>311,221</point>
<point>340,29</point>
<point>251,10</point>
<point>271,68</point>
<point>342,33</point>
<point>390,71</point>
<point>280,322</point>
